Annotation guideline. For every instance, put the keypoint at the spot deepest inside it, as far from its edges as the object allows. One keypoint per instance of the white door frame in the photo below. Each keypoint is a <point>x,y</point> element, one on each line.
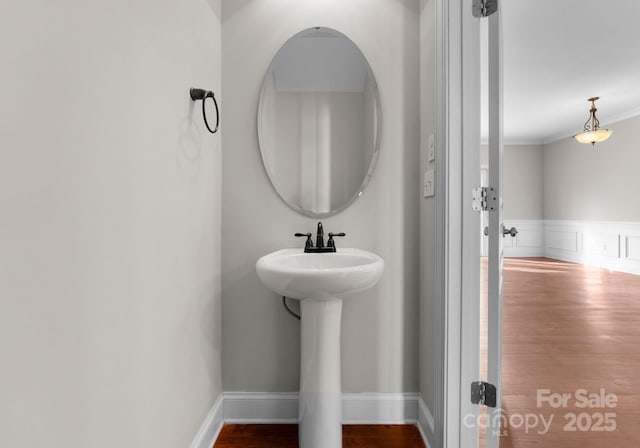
<point>496,227</point>
<point>457,236</point>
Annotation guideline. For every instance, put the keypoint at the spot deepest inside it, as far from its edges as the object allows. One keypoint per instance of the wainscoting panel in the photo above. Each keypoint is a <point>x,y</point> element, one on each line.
<point>530,239</point>
<point>633,248</point>
<point>611,245</point>
<point>562,240</point>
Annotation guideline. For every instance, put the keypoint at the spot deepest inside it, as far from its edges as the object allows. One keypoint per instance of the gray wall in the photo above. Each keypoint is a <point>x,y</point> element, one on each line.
<point>110,228</point>
<point>261,342</point>
<point>523,178</point>
<point>523,192</point>
<point>594,183</point>
<point>567,180</point>
<point>427,205</point>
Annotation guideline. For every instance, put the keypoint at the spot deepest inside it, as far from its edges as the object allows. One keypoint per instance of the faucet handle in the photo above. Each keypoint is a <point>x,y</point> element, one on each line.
<point>307,243</point>
<point>330,242</point>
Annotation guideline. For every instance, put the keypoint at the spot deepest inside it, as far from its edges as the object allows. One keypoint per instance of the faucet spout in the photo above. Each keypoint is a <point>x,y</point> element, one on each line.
<point>320,236</point>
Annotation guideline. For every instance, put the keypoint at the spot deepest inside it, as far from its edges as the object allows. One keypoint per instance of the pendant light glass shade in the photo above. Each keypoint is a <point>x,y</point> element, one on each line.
<point>592,132</point>
<point>593,137</point>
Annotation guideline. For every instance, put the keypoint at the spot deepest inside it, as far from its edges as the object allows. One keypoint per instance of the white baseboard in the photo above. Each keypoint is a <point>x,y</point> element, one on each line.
<point>253,407</point>
<point>426,423</point>
<point>211,427</point>
<point>379,409</point>
<point>242,407</point>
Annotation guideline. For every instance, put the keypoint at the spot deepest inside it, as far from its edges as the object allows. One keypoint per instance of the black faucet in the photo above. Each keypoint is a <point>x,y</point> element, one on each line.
<point>320,247</point>
<point>319,236</point>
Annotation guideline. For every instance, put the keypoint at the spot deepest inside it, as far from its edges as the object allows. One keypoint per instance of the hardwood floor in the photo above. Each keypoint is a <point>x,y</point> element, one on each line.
<point>567,327</point>
<point>286,436</point>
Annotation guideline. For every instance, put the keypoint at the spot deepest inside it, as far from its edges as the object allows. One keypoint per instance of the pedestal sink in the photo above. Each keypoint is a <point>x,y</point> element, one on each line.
<point>321,281</point>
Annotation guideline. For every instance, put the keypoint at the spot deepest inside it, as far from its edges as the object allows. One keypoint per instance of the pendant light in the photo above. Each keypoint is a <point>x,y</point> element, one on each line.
<point>592,132</point>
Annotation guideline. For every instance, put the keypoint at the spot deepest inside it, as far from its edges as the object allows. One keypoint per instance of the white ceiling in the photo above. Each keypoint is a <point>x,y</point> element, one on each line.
<point>558,53</point>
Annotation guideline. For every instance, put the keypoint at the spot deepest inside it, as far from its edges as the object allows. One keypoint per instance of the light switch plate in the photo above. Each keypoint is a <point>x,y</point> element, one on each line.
<point>428,184</point>
<point>431,149</point>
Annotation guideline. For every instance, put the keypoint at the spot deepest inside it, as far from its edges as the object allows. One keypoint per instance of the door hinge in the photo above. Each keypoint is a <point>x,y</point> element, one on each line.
<point>483,393</point>
<point>484,199</point>
<point>484,8</point>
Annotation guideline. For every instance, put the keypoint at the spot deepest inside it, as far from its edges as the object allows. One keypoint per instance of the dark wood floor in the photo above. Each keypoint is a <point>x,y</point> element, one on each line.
<point>566,327</point>
<point>286,436</point>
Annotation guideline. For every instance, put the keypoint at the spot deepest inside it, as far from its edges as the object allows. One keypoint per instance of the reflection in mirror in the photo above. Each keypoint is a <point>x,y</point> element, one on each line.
<point>318,122</point>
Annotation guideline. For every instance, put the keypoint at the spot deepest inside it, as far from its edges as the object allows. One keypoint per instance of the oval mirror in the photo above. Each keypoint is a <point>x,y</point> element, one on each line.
<point>319,122</point>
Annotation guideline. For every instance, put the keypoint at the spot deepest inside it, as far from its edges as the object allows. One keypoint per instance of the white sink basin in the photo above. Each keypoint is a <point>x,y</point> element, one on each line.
<point>319,276</point>
<point>320,280</point>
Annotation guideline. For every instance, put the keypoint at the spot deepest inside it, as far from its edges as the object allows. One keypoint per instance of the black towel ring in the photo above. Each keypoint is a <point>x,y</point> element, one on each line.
<point>200,94</point>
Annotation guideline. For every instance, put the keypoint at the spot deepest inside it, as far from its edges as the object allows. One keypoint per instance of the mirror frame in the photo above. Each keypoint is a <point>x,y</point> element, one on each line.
<point>378,129</point>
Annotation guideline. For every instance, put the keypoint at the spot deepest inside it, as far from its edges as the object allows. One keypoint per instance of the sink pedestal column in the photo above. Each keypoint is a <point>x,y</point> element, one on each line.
<point>320,405</point>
